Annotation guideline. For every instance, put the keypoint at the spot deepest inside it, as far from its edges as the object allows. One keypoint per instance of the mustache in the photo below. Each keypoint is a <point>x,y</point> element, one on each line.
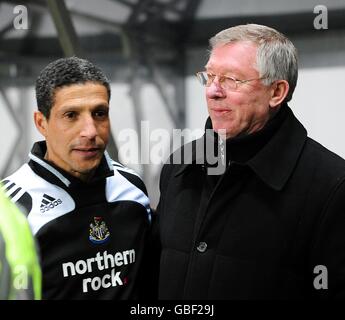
<point>87,146</point>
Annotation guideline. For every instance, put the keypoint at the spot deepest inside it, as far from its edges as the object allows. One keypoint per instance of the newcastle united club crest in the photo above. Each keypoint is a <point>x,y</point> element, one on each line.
<point>99,232</point>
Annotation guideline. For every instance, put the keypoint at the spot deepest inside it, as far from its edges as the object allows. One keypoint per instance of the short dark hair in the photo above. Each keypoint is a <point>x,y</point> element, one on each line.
<point>65,72</point>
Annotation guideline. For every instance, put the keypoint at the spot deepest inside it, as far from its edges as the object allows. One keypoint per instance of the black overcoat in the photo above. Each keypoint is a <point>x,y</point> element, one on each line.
<point>272,228</point>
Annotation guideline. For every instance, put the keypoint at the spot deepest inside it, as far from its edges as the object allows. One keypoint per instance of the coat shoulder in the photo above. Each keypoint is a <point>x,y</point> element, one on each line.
<point>326,161</point>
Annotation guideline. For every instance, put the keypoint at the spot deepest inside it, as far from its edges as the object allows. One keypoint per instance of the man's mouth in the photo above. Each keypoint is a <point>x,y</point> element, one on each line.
<point>87,152</point>
<point>220,111</point>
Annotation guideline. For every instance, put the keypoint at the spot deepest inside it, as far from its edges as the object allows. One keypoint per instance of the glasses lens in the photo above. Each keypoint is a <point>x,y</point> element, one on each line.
<point>206,80</point>
<point>229,83</point>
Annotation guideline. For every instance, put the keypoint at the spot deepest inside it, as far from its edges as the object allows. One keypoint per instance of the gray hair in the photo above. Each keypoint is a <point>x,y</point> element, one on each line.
<point>276,55</point>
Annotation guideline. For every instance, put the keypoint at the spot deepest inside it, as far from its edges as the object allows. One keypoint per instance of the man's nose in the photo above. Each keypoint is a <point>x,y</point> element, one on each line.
<point>215,90</point>
<point>89,129</point>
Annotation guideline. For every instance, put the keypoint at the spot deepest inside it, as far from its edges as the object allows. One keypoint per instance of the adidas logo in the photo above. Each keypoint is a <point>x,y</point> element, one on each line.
<point>48,203</point>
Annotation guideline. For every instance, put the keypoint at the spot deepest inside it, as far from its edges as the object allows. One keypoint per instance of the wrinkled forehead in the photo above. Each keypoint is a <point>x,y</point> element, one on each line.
<point>239,57</point>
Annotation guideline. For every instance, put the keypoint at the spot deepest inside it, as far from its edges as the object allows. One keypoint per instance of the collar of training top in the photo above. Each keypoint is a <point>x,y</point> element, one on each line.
<point>55,174</point>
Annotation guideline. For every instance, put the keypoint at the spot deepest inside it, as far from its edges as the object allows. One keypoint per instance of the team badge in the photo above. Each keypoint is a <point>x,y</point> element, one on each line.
<point>99,232</point>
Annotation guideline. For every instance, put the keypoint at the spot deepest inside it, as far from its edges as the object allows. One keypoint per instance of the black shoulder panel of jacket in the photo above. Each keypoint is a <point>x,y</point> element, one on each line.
<point>24,202</point>
<point>134,179</point>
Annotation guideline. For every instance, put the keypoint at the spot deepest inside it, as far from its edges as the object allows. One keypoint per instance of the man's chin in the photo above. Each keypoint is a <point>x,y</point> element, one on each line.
<point>86,170</point>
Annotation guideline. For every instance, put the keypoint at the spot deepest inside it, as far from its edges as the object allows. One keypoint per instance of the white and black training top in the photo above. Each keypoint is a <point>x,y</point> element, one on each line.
<point>91,236</point>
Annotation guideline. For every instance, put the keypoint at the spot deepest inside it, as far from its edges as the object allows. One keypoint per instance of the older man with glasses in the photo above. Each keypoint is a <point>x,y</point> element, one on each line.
<point>271,224</point>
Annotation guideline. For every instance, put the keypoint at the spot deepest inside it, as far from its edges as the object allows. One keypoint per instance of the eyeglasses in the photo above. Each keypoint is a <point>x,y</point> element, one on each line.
<point>227,83</point>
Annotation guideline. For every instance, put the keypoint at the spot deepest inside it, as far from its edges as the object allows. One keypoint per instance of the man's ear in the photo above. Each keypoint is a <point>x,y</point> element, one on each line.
<point>279,91</point>
<point>41,122</point>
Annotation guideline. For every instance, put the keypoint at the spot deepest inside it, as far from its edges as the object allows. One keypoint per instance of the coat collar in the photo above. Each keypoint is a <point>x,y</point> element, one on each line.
<point>274,163</point>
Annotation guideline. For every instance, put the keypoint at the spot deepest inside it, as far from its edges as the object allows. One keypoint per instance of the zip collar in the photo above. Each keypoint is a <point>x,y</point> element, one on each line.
<point>54,174</point>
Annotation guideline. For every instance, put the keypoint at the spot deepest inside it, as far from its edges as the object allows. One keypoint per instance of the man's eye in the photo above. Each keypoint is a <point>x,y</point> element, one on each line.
<point>228,79</point>
<point>101,113</point>
<point>70,115</point>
